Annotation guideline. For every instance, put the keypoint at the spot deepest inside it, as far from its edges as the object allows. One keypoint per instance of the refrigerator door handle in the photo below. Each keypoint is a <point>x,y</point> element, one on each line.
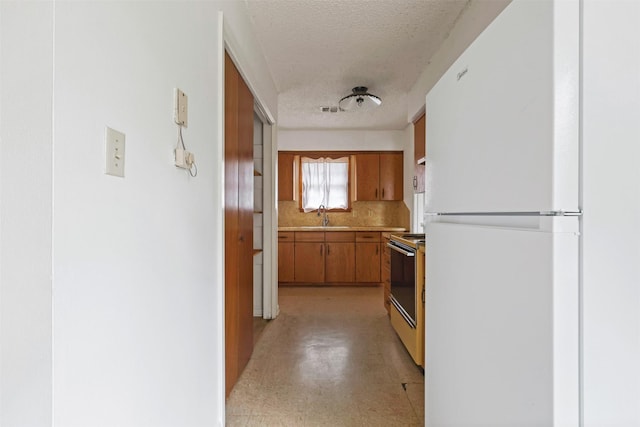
<point>532,213</point>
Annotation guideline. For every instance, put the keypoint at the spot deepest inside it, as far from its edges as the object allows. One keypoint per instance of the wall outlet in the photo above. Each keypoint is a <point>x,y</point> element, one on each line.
<point>184,158</point>
<point>180,107</point>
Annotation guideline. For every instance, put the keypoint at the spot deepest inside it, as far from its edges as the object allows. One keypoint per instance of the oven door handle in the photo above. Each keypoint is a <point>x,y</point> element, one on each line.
<point>402,251</point>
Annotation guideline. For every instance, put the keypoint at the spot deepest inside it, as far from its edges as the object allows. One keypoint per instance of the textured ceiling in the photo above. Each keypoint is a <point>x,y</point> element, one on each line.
<point>318,50</point>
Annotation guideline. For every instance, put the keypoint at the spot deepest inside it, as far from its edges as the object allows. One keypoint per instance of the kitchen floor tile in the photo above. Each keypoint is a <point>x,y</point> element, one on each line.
<point>331,358</point>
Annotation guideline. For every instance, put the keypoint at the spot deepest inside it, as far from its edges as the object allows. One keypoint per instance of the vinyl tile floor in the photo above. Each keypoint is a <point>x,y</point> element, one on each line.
<point>331,358</point>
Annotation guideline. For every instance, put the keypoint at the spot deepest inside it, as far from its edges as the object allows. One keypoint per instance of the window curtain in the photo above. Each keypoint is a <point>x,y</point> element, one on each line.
<point>325,182</point>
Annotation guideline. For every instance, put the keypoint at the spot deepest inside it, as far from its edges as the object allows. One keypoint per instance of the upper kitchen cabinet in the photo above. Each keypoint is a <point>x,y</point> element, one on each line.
<point>419,153</point>
<point>391,176</point>
<point>379,176</point>
<point>367,176</point>
<point>286,176</point>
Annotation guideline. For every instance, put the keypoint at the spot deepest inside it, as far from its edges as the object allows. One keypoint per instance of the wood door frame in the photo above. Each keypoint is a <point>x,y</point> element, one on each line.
<point>219,244</point>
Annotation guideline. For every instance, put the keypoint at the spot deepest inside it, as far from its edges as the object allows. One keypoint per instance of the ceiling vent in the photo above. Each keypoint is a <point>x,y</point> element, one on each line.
<point>329,109</point>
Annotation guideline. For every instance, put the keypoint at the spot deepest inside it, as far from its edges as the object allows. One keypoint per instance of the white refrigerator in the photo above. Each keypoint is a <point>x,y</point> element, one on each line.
<point>503,220</point>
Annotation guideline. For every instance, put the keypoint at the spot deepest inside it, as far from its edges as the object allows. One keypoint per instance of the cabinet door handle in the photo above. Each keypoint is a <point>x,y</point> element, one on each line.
<point>383,193</point>
<point>376,250</point>
<point>415,182</point>
<point>328,249</point>
<point>376,193</point>
<point>321,249</point>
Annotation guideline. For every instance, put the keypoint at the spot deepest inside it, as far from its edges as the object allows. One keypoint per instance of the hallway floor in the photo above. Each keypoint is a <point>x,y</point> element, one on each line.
<point>330,359</point>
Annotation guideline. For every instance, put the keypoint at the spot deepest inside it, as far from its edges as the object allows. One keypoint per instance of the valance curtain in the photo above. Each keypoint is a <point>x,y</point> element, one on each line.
<point>325,182</point>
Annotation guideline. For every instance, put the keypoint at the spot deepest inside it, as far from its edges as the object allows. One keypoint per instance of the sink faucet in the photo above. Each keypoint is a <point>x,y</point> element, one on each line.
<point>325,218</point>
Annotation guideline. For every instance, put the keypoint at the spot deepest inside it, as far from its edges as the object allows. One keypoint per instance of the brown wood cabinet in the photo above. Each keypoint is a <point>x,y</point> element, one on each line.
<point>286,176</point>
<point>309,262</point>
<point>238,172</point>
<point>367,177</point>
<point>419,133</point>
<point>334,257</point>
<point>309,256</point>
<point>341,257</point>
<point>285,256</point>
<point>379,176</point>
<point>385,269</point>
<point>368,256</point>
<point>419,152</point>
<point>391,176</point>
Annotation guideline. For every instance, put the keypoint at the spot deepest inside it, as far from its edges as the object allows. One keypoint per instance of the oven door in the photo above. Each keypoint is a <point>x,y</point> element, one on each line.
<point>403,281</point>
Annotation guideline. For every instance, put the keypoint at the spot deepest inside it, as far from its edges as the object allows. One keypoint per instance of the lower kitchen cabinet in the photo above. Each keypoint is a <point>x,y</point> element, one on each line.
<point>368,262</point>
<point>340,262</point>
<point>309,259</point>
<point>385,270</point>
<point>367,256</point>
<point>285,262</point>
<point>285,256</point>
<point>336,257</point>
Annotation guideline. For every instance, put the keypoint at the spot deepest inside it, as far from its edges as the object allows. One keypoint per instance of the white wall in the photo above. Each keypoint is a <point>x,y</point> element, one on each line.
<point>611,202</point>
<point>137,323</point>
<point>326,140</point>
<point>26,82</point>
<point>246,51</point>
<point>134,259</point>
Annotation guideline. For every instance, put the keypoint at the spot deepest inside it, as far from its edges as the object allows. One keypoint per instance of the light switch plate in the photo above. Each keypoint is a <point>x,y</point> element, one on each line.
<point>114,152</point>
<point>180,107</point>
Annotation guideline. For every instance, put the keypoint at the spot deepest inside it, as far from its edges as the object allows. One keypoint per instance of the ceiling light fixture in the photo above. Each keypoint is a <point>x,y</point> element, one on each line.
<point>359,100</point>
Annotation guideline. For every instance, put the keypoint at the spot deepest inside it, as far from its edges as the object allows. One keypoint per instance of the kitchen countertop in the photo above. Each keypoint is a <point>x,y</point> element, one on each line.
<point>341,228</point>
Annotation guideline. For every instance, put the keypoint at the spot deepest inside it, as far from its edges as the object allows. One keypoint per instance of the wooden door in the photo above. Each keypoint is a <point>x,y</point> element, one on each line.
<point>391,176</point>
<point>238,224</point>
<point>340,262</point>
<point>285,177</point>
<point>367,177</point>
<point>245,220</point>
<point>232,227</point>
<point>309,262</point>
<point>368,262</point>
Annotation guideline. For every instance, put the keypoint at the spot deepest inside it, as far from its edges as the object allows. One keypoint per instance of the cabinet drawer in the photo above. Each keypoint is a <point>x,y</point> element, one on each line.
<point>309,236</point>
<point>340,236</point>
<point>368,236</point>
<point>285,236</point>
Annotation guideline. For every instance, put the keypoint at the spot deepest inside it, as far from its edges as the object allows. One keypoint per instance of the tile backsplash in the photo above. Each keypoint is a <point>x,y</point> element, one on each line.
<point>363,214</point>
